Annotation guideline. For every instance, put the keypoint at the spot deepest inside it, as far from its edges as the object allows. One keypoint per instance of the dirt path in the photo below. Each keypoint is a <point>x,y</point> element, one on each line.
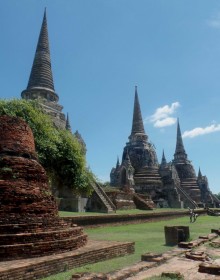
<point>188,268</point>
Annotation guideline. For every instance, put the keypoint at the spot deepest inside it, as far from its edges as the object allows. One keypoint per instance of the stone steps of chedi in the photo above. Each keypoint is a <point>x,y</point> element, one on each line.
<point>29,221</point>
<point>40,248</point>
<point>190,185</point>
<point>148,174</point>
<point>34,227</point>
<point>30,237</point>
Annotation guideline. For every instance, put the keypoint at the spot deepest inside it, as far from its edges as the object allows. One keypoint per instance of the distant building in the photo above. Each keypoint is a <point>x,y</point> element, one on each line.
<point>172,184</point>
<point>41,87</point>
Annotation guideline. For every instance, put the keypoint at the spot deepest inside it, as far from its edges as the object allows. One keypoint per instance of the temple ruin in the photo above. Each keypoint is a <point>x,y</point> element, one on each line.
<point>174,184</point>
<point>29,221</point>
<point>41,85</point>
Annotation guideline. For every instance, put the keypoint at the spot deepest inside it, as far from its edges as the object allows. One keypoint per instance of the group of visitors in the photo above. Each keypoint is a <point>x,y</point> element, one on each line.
<point>192,215</point>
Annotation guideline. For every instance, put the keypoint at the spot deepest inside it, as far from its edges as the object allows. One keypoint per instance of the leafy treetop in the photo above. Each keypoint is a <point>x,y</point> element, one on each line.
<point>58,150</point>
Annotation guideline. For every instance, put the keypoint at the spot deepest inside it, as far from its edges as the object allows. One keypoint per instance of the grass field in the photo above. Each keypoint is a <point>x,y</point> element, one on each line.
<point>148,237</point>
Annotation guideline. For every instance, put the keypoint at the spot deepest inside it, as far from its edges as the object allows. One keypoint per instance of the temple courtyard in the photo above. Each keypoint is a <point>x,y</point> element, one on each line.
<point>149,238</point>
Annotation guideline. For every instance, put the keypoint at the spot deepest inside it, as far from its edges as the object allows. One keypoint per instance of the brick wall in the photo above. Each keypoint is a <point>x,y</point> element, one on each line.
<point>129,218</point>
<point>44,267</point>
<point>17,137</point>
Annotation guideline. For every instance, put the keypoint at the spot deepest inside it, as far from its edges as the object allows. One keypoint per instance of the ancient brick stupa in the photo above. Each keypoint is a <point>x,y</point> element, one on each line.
<point>29,222</point>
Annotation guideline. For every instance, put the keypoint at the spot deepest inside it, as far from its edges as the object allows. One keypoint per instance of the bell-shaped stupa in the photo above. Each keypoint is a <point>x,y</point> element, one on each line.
<point>29,221</point>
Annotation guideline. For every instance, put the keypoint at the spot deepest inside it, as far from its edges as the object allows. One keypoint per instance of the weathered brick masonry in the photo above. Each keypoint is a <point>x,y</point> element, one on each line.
<point>29,222</point>
<point>37,268</point>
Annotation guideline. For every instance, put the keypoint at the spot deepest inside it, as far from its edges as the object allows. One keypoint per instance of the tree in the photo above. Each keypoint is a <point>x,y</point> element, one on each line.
<point>58,150</point>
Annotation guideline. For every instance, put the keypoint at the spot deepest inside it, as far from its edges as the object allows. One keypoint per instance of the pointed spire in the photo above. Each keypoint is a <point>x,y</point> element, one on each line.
<point>68,127</point>
<point>180,154</point>
<point>117,164</point>
<point>163,161</point>
<point>199,174</point>
<point>40,85</point>
<point>41,73</point>
<point>137,124</point>
<point>179,140</point>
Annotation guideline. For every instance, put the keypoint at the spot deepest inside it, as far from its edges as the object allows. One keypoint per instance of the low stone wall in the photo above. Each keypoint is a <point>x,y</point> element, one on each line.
<point>109,219</point>
<point>37,268</point>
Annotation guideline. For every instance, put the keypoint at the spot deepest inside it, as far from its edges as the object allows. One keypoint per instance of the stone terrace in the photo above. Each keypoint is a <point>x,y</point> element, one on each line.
<point>114,219</point>
<point>36,268</point>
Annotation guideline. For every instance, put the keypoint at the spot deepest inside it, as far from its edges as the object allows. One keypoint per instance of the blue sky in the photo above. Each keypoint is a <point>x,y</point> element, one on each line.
<point>101,49</point>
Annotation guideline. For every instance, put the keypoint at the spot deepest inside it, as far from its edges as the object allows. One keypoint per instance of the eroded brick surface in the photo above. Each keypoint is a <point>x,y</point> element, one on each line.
<point>29,222</point>
<point>16,137</point>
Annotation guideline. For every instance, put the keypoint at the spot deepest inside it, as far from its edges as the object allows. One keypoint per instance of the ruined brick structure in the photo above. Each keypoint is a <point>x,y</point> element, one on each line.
<point>173,184</point>
<point>29,222</point>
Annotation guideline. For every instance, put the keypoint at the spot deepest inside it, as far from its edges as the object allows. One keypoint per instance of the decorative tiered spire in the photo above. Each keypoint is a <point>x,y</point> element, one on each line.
<point>137,124</point>
<point>41,73</point>
<point>199,174</point>
<point>40,85</point>
<point>180,154</point>
<point>68,127</point>
<point>163,161</point>
<point>117,164</point>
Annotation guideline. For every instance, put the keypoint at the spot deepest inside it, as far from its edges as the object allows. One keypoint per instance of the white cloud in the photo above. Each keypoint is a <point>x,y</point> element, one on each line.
<point>165,122</point>
<point>201,131</point>
<point>214,21</point>
<point>162,116</point>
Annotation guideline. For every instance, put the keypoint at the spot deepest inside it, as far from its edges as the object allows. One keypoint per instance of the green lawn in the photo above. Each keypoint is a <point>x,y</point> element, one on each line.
<point>148,237</point>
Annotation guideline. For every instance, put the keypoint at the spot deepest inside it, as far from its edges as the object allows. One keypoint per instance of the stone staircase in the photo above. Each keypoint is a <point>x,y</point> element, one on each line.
<point>190,186</point>
<point>186,198</point>
<point>110,207</point>
<point>148,176</point>
<point>215,198</point>
<point>188,189</point>
<point>143,204</point>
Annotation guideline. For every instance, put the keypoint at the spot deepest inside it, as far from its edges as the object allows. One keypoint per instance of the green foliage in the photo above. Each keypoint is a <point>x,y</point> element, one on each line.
<point>58,150</point>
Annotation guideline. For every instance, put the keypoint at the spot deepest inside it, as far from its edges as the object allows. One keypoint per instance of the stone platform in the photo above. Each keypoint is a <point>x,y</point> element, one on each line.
<point>37,268</point>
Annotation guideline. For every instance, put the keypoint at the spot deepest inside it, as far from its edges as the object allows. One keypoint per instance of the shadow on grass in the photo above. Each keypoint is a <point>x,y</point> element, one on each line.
<point>169,246</point>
